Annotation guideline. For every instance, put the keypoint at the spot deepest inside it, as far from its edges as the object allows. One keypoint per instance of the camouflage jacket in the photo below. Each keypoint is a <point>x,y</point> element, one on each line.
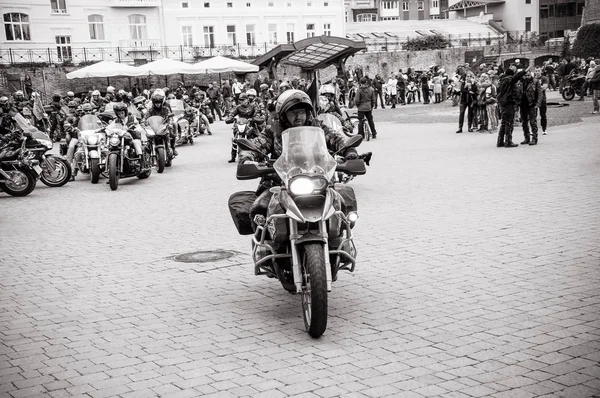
<point>251,111</point>
<point>269,142</point>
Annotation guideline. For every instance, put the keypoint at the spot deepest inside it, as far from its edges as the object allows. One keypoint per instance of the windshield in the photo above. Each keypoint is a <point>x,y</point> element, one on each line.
<point>304,151</point>
<point>331,121</point>
<point>155,123</point>
<point>177,106</point>
<point>89,122</point>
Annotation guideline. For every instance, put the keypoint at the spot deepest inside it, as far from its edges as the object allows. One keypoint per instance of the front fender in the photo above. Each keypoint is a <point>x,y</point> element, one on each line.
<point>94,154</point>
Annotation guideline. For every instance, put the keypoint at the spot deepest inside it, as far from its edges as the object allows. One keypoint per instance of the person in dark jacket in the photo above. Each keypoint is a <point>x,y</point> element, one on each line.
<point>506,101</point>
<point>227,95</point>
<point>468,96</point>
<point>544,84</point>
<point>595,86</point>
<point>365,101</point>
<point>214,93</point>
<point>378,86</point>
<point>530,103</point>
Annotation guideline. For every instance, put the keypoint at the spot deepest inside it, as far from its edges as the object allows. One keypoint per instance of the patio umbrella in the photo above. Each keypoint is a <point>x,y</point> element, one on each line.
<point>221,64</point>
<point>165,66</point>
<point>104,69</point>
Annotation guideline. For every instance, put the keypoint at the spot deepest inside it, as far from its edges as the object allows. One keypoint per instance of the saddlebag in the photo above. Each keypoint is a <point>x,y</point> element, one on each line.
<point>239,207</point>
<point>349,197</point>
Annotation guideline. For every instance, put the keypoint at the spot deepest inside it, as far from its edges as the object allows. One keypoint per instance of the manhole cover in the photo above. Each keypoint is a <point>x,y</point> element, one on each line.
<point>204,256</point>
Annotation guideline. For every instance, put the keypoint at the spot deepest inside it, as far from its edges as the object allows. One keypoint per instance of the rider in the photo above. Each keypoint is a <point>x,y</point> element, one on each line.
<point>265,94</point>
<point>161,108</point>
<point>294,109</point>
<point>87,109</point>
<point>96,101</point>
<point>130,123</point>
<point>71,97</point>
<point>19,101</point>
<point>110,94</point>
<point>248,111</point>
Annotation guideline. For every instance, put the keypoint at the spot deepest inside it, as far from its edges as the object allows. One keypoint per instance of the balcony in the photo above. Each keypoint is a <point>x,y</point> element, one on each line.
<point>135,3</point>
<point>143,44</point>
<point>362,4</point>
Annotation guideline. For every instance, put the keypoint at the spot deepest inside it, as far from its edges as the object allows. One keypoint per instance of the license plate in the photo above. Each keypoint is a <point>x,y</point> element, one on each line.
<point>37,169</point>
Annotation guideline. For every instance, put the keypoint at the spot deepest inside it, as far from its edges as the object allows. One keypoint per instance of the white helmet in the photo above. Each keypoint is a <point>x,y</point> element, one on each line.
<point>327,89</point>
<point>110,89</point>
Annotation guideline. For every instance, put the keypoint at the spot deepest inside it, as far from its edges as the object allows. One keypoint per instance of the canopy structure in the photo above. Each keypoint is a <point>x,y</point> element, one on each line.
<point>104,69</point>
<point>165,66</point>
<point>221,64</point>
<point>465,4</point>
<point>312,53</point>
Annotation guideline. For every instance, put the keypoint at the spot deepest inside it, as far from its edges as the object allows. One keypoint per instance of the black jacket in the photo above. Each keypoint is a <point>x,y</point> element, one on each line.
<point>506,88</point>
<point>532,93</point>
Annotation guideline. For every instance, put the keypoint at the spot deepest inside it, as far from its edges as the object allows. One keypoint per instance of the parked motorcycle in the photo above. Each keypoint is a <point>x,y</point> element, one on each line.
<point>184,135</point>
<point>122,159</point>
<point>19,170</point>
<point>157,133</point>
<point>91,155</point>
<point>56,171</point>
<point>573,87</point>
<point>306,237</point>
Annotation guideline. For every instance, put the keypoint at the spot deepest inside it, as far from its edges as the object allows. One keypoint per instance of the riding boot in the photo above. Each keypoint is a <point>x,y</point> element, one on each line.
<point>509,143</point>
<point>233,155</point>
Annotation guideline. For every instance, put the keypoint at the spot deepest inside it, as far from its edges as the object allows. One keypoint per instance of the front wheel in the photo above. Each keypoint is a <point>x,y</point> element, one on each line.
<point>314,289</point>
<point>113,171</point>
<point>95,170</point>
<point>568,93</point>
<point>161,159</point>
<point>60,176</point>
<point>21,182</point>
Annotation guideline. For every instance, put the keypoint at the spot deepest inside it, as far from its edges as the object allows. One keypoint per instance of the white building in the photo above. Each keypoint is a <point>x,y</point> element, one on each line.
<point>512,15</point>
<point>248,27</point>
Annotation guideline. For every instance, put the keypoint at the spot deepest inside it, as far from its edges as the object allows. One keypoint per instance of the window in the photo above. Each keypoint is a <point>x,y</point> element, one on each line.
<point>326,4</point>
<point>248,5</point>
<point>366,17</point>
<point>405,6</point>
<point>527,1</point>
<point>310,30</point>
<point>206,5</point>
<point>543,11</point>
<point>289,4</point>
<point>229,5</point>
<point>209,36</point>
<point>63,48</point>
<point>137,27</point>
<point>390,5</point>
<point>271,4</point>
<point>250,38</point>
<point>435,3</point>
<point>327,29</point>
<point>187,36</point>
<point>58,6</point>
<point>184,4</point>
<point>528,24</point>
<point>434,17</point>
<point>231,37</point>
<point>272,33</point>
<point>420,5</point>
<point>309,3</point>
<point>289,33</point>
<point>96,27</point>
<point>16,26</point>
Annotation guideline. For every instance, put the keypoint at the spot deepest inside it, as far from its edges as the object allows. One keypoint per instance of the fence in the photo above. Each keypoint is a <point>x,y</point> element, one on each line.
<point>511,42</point>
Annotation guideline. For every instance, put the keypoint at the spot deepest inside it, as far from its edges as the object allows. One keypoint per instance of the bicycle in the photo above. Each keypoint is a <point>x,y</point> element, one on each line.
<point>366,128</point>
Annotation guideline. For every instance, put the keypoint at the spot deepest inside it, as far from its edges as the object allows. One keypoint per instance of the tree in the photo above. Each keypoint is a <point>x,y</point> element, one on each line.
<point>587,43</point>
<point>431,42</point>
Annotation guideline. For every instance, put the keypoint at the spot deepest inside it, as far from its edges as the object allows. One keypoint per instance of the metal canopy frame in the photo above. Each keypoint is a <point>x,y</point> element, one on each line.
<point>465,4</point>
<point>312,53</point>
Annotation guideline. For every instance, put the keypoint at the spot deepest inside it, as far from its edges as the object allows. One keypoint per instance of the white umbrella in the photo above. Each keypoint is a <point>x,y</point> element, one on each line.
<point>221,64</point>
<point>104,69</point>
<point>165,66</point>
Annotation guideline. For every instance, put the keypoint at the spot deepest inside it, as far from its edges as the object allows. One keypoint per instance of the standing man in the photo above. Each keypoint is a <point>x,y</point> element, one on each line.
<point>544,84</point>
<point>365,101</point>
<point>468,95</point>
<point>425,86</point>
<point>595,86</point>
<point>530,102</point>
<point>378,86</point>
<point>237,89</point>
<point>401,88</point>
<point>506,101</point>
<point>227,95</point>
<point>214,93</point>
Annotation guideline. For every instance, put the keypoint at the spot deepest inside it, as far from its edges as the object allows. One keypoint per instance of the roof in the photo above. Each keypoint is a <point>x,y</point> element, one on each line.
<point>312,53</point>
<point>400,30</point>
<point>464,4</point>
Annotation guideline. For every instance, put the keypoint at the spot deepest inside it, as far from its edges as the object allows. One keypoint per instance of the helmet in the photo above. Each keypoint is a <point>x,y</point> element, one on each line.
<point>284,84</point>
<point>264,87</point>
<point>3,100</point>
<point>251,92</point>
<point>186,97</point>
<point>110,89</point>
<point>292,99</point>
<point>119,107</point>
<point>139,100</point>
<point>95,92</point>
<point>87,107</point>
<point>34,95</point>
<point>243,96</point>
<point>72,104</point>
<point>70,94</point>
<point>146,93</point>
<point>122,92</point>
<point>327,89</point>
<point>158,96</point>
<point>19,92</point>
<point>171,96</point>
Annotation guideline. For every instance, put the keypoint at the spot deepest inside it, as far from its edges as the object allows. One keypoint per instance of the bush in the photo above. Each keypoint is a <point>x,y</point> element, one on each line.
<point>87,63</point>
<point>587,43</point>
<point>432,42</point>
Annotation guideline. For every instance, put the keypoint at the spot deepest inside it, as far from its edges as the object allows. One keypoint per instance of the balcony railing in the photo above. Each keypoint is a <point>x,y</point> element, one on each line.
<point>139,43</point>
<point>59,11</point>
<point>134,3</point>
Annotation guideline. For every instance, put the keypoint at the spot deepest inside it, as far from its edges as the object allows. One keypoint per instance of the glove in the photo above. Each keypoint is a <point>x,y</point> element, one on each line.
<point>351,155</point>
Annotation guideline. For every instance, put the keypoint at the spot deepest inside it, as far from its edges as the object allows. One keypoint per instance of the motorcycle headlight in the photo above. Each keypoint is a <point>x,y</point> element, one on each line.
<point>306,185</point>
<point>241,128</point>
<point>92,140</point>
<point>114,140</point>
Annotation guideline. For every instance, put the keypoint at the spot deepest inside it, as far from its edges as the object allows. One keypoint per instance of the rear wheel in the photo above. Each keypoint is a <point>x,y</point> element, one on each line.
<point>95,170</point>
<point>113,171</point>
<point>21,182</point>
<point>568,93</point>
<point>314,289</point>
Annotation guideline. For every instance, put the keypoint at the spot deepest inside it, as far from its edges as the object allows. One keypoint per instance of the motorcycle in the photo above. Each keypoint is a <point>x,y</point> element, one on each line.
<point>91,154</point>
<point>157,133</point>
<point>306,237</point>
<point>184,135</point>
<point>573,87</point>
<point>411,93</point>
<point>56,171</point>
<point>19,170</point>
<point>243,128</point>
<point>122,160</point>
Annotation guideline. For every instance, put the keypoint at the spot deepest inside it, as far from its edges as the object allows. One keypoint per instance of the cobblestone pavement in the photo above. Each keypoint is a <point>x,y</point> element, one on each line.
<point>478,276</point>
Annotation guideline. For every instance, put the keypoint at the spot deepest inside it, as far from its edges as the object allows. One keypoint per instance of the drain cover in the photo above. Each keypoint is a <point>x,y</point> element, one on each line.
<point>204,256</point>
